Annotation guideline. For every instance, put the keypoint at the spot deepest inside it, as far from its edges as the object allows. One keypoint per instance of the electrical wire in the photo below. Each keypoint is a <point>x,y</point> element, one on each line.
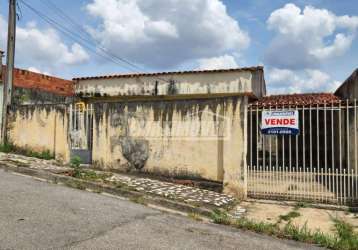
<point>85,42</point>
<point>70,34</point>
<point>70,20</point>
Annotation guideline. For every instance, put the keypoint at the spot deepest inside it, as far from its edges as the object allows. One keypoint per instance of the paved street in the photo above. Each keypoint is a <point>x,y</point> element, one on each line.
<point>35,214</point>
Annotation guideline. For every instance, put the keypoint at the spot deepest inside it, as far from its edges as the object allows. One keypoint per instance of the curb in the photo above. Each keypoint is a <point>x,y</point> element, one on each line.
<point>104,188</point>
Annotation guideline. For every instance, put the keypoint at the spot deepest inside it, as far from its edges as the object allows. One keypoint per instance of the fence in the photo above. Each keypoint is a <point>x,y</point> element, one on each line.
<point>320,164</point>
<point>81,125</point>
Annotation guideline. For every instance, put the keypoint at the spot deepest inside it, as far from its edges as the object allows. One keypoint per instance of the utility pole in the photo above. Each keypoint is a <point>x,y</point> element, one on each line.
<point>2,86</point>
<point>10,58</point>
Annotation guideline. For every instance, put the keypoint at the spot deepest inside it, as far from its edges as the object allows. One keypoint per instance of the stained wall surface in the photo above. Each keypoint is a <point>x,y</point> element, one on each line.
<point>197,138</point>
<point>39,128</point>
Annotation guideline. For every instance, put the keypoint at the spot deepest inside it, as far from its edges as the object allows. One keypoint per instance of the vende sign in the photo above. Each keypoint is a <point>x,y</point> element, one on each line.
<point>280,123</point>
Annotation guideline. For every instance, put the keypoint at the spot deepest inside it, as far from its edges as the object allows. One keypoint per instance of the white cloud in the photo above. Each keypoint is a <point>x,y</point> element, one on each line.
<point>43,47</point>
<point>220,62</point>
<point>306,38</point>
<point>36,70</point>
<point>340,45</point>
<point>309,80</point>
<point>166,33</point>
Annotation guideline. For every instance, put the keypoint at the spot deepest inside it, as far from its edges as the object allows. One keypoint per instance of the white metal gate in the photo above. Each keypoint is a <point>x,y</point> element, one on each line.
<point>80,124</point>
<point>319,165</point>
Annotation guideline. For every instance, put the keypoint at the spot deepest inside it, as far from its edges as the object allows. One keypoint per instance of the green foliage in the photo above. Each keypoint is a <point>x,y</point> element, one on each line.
<point>348,239</point>
<point>75,164</point>
<point>11,148</point>
<point>290,216</point>
<point>46,154</point>
<point>75,161</point>
<point>91,175</point>
<point>261,227</point>
<point>220,217</point>
<point>85,174</point>
<point>7,148</point>
<point>301,204</point>
<point>344,239</point>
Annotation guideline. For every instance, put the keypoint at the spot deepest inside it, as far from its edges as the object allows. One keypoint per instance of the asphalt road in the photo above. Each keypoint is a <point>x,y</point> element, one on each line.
<point>38,215</point>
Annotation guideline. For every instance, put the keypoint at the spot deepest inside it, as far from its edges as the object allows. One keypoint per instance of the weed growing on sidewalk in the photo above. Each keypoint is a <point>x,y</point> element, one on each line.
<point>291,215</point>
<point>7,148</point>
<point>11,148</point>
<point>348,238</point>
<point>85,174</point>
<point>344,239</point>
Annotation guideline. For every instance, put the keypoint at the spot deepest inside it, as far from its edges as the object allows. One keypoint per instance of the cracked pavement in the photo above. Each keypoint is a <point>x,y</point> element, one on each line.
<point>39,215</point>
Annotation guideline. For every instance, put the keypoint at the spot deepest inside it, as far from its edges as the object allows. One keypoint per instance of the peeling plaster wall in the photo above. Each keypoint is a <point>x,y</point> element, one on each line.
<point>245,81</point>
<point>202,138</point>
<point>40,127</point>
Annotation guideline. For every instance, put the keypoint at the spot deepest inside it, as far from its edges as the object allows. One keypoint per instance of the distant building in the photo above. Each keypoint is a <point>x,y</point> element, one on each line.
<point>189,123</point>
<point>35,88</point>
<point>349,88</point>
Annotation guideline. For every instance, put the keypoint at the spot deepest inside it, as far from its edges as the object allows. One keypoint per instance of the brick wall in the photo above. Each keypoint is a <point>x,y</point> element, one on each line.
<point>31,80</point>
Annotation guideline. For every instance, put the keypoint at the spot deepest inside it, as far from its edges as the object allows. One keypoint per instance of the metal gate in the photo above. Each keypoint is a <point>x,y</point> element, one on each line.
<point>318,165</point>
<point>81,124</point>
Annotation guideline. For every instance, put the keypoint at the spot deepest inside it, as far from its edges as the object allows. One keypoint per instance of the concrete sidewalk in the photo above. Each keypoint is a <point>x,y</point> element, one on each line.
<point>178,192</point>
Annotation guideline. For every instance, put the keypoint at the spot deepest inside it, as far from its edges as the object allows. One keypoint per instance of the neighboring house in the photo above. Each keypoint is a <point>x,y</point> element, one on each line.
<point>349,88</point>
<point>311,127</point>
<point>159,122</point>
<point>35,88</point>
<point>191,124</point>
<point>30,120</point>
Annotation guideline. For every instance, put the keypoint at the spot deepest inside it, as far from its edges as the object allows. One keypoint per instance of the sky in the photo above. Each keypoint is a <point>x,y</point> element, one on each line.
<point>305,46</point>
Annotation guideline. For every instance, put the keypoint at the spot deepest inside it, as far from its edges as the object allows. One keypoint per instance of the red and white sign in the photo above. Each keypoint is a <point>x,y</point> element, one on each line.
<point>280,122</point>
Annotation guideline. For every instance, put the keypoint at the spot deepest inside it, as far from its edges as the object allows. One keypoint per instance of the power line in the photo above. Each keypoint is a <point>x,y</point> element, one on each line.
<point>73,23</point>
<point>64,16</point>
<point>84,42</point>
<point>114,58</point>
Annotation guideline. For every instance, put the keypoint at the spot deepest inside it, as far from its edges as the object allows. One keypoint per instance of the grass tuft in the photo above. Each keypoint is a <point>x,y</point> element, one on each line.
<point>344,239</point>
<point>11,148</point>
<point>291,215</point>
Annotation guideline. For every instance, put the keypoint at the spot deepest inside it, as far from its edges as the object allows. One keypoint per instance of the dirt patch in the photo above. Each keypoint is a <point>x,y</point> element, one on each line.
<point>264,212</point>
<point>314,218</point>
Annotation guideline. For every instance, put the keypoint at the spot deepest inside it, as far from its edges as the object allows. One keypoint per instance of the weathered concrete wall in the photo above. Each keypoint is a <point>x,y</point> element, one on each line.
<point>202,138</point>
<point>349,89</point>
<point>189,83</point>
<point>25,96</point>
<point>39,128</point>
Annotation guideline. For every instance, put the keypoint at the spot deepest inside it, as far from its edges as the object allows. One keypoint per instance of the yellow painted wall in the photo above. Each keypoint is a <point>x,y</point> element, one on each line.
<point>40,127</point>
<point>196,138</point>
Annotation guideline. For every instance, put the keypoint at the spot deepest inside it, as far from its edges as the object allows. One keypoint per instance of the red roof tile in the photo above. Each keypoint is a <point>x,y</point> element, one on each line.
<point>168,73</point>
<point>297,99</point>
